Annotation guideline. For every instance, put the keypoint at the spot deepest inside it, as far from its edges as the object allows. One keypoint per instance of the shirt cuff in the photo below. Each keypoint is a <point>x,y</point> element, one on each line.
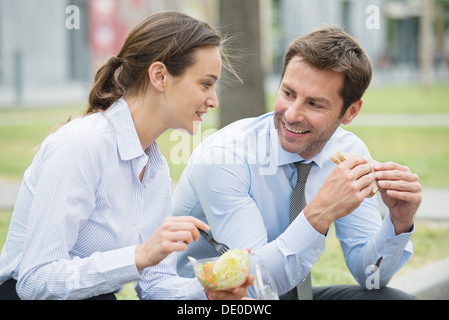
<point>301,239</point>
<point>393,243</point>
<point>121,264</point>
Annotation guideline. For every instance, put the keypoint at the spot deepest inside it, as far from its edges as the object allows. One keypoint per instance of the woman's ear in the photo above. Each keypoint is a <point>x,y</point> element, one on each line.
<point>157,74</point>
<point>352,112</point>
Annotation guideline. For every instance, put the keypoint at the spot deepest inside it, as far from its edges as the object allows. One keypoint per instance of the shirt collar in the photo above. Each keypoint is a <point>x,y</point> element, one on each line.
<point>128,141</point>
<point>284,158</point>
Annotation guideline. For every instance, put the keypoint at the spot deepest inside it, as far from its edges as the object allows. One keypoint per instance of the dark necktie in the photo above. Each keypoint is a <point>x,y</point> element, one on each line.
<point>297,203</point>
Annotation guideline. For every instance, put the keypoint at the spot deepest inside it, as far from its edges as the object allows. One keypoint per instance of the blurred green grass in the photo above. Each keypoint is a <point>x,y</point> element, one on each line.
<point>22,130</point>
<point>424,150</point>
<point>406,99</point>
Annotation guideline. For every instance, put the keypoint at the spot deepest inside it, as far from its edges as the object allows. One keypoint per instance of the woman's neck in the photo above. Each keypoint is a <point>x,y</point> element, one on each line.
<point>147,119</point>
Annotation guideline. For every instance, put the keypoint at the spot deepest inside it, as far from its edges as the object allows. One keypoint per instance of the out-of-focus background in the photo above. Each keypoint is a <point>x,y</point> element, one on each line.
<point>51,49</point>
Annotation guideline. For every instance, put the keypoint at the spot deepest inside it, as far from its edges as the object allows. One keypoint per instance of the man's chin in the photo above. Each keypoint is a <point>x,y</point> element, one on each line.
<point>289,147</point>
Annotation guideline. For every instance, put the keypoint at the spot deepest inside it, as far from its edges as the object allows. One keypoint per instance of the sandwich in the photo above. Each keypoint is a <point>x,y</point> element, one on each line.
<point>341,156</point>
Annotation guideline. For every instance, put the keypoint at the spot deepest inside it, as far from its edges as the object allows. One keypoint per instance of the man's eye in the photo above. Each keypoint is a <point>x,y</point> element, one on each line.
<point>207,85</point>
<point>288,94</point>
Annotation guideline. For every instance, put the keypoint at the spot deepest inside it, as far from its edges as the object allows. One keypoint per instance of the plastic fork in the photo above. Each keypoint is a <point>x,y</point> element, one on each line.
<point>221,248</point>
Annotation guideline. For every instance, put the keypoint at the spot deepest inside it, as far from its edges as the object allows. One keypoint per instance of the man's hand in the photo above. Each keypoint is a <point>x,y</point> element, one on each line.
<point>401,192</point>
<point>341,193</point>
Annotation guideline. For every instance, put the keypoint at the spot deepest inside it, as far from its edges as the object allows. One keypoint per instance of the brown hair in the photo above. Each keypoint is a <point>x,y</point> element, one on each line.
<point>168,37</point>
<point>330,48</point>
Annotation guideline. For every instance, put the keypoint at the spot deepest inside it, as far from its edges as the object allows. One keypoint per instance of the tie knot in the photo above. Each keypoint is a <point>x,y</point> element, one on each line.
<point>303,171</point>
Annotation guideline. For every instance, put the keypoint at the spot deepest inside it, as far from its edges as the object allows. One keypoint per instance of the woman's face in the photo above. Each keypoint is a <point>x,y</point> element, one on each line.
<point>189,96</point>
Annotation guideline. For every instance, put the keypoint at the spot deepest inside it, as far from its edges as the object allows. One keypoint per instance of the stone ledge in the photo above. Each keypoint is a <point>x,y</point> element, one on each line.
<point>428,283</point>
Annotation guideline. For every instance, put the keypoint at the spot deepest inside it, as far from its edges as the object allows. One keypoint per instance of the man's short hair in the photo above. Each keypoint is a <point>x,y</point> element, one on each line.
<point>330,48</point>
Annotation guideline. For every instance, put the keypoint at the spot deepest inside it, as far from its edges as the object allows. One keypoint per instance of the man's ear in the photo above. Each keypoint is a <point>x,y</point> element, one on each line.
<point>157,73</point>
<point>352,112</point>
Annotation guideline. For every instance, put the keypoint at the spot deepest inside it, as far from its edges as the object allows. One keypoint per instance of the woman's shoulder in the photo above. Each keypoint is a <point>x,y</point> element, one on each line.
<point>92,127</point>
<point>89,133</point>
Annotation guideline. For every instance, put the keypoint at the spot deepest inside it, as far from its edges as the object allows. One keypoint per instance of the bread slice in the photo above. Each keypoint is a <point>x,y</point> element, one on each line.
<point>341,156</point>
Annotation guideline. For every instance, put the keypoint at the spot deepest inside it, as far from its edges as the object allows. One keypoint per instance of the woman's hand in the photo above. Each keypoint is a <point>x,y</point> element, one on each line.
<point>232,294</point>
<point>238,293</point>
<point>174,234</point>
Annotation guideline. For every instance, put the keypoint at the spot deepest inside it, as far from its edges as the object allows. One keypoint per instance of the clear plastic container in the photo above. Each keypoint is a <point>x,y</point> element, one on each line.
<point>228,271</point>
<point>263,283</point>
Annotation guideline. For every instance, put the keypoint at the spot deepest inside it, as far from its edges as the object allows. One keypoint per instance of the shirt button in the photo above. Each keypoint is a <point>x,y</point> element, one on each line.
<point>391,244</point>
<point>317,251</point>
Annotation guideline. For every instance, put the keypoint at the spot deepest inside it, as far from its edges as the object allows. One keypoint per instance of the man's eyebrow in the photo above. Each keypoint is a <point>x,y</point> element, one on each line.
<point>285,86</point>
<point>319,99</point>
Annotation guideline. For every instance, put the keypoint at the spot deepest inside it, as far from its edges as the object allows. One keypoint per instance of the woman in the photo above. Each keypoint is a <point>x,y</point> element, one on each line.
<point>93,211</point>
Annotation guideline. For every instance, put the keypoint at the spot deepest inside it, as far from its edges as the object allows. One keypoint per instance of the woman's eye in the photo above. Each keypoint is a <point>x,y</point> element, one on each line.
<point>207,85</point>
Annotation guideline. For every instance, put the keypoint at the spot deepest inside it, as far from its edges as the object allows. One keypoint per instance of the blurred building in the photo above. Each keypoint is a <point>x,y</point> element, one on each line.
<point>393,32</point>
<point>39,59</point>
<point>50,49</point>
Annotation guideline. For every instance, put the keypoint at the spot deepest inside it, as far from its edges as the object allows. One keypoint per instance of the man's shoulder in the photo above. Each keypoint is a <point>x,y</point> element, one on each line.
<point>237,139</point>
<point>346,140</point>
<point>240,132</point>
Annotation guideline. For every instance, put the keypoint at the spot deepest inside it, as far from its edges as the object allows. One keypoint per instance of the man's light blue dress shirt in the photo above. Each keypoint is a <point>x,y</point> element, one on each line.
<point>82,210</point>
<point>240,181</point>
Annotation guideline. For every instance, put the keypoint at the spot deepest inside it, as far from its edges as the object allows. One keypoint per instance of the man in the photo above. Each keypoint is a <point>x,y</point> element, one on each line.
<point>240,180</point>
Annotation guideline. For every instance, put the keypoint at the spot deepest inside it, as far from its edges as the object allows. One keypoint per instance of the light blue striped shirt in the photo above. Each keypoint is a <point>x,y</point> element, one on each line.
<point>246,204</point>
<point>82,210</point>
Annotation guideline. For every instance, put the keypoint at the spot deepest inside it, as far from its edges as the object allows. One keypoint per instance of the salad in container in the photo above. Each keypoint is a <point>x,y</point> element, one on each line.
<point>227,271</point>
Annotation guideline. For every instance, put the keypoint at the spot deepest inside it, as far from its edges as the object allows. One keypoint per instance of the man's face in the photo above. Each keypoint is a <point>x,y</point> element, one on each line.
<point>308,108</point>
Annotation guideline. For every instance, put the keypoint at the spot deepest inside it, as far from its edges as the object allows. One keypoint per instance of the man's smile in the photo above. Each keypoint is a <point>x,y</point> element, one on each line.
<point>295,130</point>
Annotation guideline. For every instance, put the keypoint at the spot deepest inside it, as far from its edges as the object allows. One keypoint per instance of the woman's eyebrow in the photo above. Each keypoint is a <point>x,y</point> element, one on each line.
<point>214,77</point>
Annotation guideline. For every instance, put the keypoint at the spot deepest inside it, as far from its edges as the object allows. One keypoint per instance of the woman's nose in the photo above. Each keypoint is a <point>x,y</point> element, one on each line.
<point>212,102</point>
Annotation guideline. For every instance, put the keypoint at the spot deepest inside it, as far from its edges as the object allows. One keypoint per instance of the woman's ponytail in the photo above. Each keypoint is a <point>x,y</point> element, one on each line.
<point>106,90</point>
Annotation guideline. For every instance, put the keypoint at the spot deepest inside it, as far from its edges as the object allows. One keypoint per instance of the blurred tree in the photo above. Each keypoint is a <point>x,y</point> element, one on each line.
<point>248,99</point>
<point>426,51</point>
<point>441,26</point>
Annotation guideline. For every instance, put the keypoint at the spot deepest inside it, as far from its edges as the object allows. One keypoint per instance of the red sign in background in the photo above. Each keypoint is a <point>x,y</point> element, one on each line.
<point>106,33</point>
